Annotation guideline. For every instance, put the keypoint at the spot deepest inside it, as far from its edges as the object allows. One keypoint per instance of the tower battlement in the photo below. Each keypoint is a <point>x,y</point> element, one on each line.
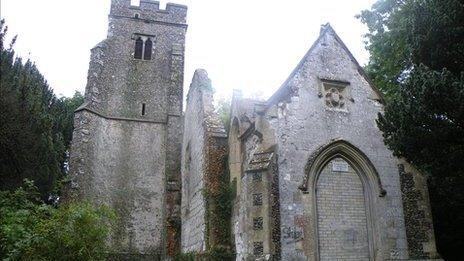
<point>149,10</point>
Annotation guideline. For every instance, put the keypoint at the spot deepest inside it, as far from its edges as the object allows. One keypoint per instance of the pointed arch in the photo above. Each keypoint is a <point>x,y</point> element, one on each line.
<point>148,49</point>
<point>138,48</point>
<point>346,151</point>
<point>368,175</point>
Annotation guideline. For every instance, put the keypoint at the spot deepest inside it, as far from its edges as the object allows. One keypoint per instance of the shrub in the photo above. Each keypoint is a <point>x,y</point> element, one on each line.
<point>32,230</point>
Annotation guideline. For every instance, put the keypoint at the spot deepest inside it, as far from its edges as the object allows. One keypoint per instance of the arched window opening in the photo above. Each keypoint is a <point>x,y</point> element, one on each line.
<point>138,48</point>
<point>148,49</point>
<point>136,16</point>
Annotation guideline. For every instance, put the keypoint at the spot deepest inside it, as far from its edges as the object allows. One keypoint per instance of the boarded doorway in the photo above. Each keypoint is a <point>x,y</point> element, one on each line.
<point>342,224</point>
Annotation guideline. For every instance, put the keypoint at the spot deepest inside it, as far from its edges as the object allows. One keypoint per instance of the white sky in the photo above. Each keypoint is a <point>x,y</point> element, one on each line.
<point>251,45</point>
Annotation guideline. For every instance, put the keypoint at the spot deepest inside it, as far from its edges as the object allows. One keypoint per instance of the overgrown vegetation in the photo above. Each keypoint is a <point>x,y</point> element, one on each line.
<point>417,60</point>
<point>223,110</point>
<point>218,199</point>
<point>215,254</point>
<point>33,230</point>
<point>36,126</point>
<point>35,134</point>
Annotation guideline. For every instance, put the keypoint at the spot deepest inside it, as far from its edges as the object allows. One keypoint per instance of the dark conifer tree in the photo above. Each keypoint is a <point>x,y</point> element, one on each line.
<point>35,126</point>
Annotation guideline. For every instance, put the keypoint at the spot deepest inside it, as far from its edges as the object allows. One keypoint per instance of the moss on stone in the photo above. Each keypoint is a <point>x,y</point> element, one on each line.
<point>218,196</point>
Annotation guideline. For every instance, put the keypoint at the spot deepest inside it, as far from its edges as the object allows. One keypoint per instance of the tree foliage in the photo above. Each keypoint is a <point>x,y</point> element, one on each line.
<point>35,125</point>
<point>406,33</point>
<point>33,230</point>
<point>223,110</point>
<point>417,60</point>
<point>35,134</point>
<point>425,121</point>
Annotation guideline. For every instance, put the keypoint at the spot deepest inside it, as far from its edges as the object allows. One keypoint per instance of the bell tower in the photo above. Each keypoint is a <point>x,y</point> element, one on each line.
<point>127,140</point>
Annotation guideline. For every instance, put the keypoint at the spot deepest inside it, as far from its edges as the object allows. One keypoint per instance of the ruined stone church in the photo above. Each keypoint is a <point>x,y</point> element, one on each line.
<point>306,172</point>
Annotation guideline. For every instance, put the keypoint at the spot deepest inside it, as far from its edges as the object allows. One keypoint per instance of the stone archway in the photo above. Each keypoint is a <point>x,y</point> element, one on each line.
<point>342,185</point>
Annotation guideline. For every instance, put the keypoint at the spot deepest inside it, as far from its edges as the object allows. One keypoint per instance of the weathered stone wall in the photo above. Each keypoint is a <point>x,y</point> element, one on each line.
<point>305,118</point>
<point>124,157</point>
<point>121,83</point>
<point>322,116</point>
<point>275,210</point>
<point>217,191</point>
<point>193,168</point>
<point>204,169</point>
<point>261,204</point>
<point>255,217</point>
<point>150,10</point>
<point>418,218</point>
<point>242,222</point>
<point>242,218</point>
<point>128,152</point>
<point>173,188</point>
<point>118,163</point>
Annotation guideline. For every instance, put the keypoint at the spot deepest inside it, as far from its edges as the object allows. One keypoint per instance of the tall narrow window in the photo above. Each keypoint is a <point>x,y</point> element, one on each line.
<point>148,48</point>
<point>138,48</point>
<point>143,109</point>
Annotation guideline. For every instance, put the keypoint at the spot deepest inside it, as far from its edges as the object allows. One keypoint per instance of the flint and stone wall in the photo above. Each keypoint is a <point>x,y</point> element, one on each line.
<point>204,156</point>
<point>303,122</point>
<point>132,160</point>
<point>256,206</point>
<point>340,193</point>
<point>418,214</point>
<point>120,156</point>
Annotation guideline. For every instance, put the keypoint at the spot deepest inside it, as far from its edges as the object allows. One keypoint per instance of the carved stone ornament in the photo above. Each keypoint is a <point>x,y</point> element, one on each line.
<point>334,98</point>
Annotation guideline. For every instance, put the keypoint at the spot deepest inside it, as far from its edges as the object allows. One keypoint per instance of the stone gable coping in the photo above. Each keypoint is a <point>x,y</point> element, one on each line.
<point>285,89</point>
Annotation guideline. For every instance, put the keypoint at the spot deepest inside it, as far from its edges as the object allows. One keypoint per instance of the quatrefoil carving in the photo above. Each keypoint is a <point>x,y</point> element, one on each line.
<point>334,98</point>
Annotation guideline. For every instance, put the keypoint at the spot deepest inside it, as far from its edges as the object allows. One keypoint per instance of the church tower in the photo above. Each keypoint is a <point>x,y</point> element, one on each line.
<point>127,140</point>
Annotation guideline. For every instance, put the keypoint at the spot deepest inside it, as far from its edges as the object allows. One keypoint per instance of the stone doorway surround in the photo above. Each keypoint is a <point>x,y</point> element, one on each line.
<point>341,210</point>
<point>371,184</point>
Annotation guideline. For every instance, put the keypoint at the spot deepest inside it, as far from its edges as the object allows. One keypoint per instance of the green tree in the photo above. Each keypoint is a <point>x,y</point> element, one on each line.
<point>35,126</point>
<point>405,33</point>
<point>223,110</point>
<point>417,60</point>
<point>32,230</point>
<point>63,114</point>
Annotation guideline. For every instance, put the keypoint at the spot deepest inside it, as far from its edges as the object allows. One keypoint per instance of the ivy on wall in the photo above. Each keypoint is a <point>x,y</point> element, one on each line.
<point>218,196</point>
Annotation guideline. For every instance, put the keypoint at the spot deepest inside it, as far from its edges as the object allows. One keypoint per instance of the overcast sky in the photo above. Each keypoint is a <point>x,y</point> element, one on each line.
<point>251,45</point>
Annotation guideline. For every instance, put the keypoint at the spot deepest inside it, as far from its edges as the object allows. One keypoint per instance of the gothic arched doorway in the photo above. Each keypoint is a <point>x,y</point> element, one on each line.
<point>341,213</point>
<point>342,185</point>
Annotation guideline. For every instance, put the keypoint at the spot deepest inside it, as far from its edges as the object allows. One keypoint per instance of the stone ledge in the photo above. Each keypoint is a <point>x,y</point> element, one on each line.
<point>85,108</point>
